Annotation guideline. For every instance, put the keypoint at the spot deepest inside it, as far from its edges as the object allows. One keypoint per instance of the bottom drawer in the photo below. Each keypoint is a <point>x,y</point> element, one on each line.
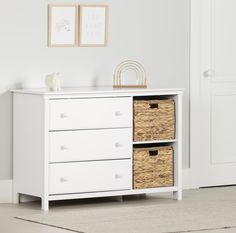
<point>96,176</point>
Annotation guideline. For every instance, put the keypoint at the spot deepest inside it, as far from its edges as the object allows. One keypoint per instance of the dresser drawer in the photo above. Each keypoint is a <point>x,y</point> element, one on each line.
<point>84,145</point>
<point>65,178</point>
<point>92,113</point>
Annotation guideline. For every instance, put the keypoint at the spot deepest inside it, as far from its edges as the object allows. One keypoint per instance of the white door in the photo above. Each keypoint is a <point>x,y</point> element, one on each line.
<point>214,92</point>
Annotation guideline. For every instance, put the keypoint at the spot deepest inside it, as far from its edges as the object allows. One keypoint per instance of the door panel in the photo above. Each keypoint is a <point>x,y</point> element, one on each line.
<point>223,128</point>
<point>223,40</point>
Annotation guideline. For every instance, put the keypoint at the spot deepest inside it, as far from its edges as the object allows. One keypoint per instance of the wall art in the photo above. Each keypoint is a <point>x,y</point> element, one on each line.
<point>62,25</point>
<point>93,28</point>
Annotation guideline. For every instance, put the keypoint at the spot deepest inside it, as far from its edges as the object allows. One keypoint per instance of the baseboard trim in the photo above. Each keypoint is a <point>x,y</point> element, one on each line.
<point>188,182</point>
<point>6,191</point>
<point>6,188</point>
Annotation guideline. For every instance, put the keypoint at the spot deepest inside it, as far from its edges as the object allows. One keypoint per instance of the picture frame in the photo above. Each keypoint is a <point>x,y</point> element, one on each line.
<point>93,25</point>
<point>62,25</point>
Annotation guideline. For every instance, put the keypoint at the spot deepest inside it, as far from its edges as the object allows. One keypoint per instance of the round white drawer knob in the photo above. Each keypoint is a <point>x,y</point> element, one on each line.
<point>63,115</point>
<point>117,176</point>
<point>63,179</point>
<point>118,113</point>
<point>117,145</point>
<point>64,148</point>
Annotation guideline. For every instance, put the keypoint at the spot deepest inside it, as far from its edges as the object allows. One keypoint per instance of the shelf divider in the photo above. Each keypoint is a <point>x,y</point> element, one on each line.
<point>154,142</point>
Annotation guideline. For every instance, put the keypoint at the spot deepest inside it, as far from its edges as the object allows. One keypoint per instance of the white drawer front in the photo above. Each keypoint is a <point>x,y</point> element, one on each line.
<point>65,178</point>
<point>90,113</point>
<point>84,145</point>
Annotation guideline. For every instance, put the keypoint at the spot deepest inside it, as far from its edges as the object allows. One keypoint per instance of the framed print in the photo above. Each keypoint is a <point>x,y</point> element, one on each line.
<point>93,25</point>
<point>62,25</point>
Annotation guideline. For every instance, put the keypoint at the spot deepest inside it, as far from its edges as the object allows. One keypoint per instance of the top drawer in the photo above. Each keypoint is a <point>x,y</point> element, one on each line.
<point>94,113</point>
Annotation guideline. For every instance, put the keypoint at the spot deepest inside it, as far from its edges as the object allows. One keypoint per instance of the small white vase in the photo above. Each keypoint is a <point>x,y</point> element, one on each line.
<point>53,81</point>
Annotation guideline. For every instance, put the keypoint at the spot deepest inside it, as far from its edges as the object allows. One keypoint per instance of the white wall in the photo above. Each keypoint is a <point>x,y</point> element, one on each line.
<point>154,32</point>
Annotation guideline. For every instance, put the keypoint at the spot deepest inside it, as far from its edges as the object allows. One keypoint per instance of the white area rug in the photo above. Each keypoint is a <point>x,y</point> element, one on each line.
<point>200,210</point>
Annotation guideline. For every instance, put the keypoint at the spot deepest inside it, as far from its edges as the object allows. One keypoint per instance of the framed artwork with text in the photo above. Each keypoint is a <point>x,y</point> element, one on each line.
<point>93,25</point>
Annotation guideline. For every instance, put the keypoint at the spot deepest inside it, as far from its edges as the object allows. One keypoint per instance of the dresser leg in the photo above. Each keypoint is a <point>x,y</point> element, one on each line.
<point>120,198</point>
<point>45,204</point>
<point>177,195</point>
<point>116,198</point>
<point>16,198</point>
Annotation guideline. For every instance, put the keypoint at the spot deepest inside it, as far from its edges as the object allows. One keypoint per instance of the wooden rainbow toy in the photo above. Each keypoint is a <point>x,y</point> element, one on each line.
<point>118,78</point>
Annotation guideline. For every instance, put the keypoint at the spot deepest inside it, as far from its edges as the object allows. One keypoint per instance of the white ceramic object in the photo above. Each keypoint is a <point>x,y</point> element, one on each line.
<point>53,81</point>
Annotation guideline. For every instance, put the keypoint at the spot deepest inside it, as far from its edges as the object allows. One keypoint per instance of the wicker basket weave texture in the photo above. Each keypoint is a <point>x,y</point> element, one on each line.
<point>154,120</point>
<point>153,167</point>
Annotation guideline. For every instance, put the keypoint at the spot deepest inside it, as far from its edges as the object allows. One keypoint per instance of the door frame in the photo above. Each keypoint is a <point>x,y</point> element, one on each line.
<point>195,83</point>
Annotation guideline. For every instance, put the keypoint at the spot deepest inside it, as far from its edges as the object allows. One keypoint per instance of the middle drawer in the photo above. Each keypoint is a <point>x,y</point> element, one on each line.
<point>86,145</point>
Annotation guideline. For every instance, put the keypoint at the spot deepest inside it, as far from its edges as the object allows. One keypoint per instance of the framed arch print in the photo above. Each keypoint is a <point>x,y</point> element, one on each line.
<point>62,25</point>
<point>93,25</point>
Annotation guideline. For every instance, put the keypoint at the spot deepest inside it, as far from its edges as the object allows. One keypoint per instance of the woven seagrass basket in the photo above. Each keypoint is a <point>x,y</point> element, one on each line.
<point>154,120</point>
<point>153,167</point>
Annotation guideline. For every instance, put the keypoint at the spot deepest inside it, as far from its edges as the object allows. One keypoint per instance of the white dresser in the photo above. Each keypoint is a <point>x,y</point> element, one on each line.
<point>78,143</point>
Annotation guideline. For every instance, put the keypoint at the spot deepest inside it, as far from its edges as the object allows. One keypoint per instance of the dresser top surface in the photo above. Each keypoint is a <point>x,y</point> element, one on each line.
<point>102,90</point>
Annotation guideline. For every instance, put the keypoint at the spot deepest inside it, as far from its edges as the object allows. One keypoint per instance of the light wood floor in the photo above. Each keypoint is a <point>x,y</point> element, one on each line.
<point>8,224</point>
